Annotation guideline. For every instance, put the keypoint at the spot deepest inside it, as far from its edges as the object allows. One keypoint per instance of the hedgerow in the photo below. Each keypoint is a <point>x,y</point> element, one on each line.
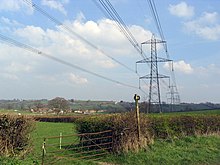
<point>163,127</point>
<point>65,119</point>
<point>123,126</point>
<point>14,135</point>
<point>179,126</point>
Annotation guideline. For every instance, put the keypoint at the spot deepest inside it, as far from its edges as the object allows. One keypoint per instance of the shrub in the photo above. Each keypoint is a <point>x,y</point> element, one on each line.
<point>163,127</point>
<point>179,126</point>
<point>64,119</point>
<point>14,135</point>
<point>123,126</point>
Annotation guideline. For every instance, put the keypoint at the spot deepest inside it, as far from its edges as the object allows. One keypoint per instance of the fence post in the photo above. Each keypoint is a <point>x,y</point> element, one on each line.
<point>136,98</point>
<point>60,140</point>
<point>43,151</point>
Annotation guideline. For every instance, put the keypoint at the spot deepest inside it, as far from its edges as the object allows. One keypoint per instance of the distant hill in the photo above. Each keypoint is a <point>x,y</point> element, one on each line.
<point>107,106</point>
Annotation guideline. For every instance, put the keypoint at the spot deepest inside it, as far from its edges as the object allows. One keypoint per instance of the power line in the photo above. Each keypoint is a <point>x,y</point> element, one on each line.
<point>56,21</point>
<point>159,28</point>
<point>36,51</point>
<point>109,11</point>
<point>156,18</point>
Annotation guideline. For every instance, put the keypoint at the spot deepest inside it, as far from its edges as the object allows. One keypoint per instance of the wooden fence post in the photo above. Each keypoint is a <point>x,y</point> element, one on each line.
<point>60,140</point>
<point>136,98</point>
<point>43,151</point>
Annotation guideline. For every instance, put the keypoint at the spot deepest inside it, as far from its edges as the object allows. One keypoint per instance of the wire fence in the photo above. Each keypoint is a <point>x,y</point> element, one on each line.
<point>87,146</point>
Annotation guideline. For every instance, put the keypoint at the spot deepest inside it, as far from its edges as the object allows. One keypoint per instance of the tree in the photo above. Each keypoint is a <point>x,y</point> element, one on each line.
<point>9,106</point>
<point>38,105</point>
<point>59,103</point>
<point>22,106</point>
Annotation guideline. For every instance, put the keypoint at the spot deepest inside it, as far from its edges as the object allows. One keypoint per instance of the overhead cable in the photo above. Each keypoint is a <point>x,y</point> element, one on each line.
<point>160,31</point>
<point>109,11</point>
<point>34,50</point>
<point>68,29</point>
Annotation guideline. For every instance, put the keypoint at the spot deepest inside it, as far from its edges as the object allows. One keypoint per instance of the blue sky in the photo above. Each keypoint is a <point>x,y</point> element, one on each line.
<point>191,28</point>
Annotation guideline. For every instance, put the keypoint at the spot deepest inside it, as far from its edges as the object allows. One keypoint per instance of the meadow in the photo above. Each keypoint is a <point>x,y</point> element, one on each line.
<point>187,150</point>
<point>191,113</point>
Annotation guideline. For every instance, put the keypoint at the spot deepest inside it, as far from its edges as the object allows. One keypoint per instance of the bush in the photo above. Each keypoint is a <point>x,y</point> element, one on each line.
<point>163,127</point>
<point>179,126</point>
<point>124,130</point>
<point>14,135</point>
<point>64,119</point>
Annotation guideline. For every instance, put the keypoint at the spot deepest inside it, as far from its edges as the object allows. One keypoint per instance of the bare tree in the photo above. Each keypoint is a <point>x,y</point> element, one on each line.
<point>59,104</point>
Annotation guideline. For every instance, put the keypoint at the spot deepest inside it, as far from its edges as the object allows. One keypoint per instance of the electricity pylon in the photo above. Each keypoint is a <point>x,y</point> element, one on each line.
<point>173,96</point>
<point>154,76</point>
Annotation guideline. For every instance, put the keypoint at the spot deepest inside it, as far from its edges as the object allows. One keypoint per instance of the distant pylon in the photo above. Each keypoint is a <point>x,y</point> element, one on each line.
<point>173,97</point>
<point>154,76</point>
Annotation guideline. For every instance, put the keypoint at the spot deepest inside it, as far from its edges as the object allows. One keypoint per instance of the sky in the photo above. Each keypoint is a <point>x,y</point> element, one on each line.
<point>191,29</point>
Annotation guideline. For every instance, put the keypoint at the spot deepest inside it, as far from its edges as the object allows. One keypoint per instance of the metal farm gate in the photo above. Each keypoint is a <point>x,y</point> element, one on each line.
<point>86,146</point>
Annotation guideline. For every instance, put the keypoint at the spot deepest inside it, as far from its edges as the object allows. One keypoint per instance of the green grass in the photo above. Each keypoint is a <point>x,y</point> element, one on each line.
<point>204,112</point>
<point>210,112</point>
<point>42,130</point>
<point>46,129</point>
<point>194,113</point>
<point>189,150</point>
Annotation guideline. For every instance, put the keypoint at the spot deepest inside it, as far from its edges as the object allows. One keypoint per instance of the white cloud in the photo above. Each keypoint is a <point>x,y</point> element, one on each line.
<point>208,70</point>
<point>15,5</point>
<point>106,63</point>
<point>8,25</point>
<point>34,35</point>
<point>182,10</point>
<point>66,46</point>
<point>103,34</point>
<point>57,5</point>
<point>181,66</point>
<point>140,33</point>
<point>15,67</point>
<point>77,79</point>
<point>206,26</point>
<point>9,22</point>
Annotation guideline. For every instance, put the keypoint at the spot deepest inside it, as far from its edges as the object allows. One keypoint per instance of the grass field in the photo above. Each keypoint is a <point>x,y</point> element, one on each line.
<point>194,113</point>
<point>42,130</point>
<point>204,112</point>
<point>188,150</point>
<point>46,129</point>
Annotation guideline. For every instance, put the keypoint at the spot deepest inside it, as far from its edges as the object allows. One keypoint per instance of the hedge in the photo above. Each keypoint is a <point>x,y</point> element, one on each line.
<point>14,135</point>
<point>64,119</point>
<point>163,127</point>
<point>179,126</point>
<point>123,127</point>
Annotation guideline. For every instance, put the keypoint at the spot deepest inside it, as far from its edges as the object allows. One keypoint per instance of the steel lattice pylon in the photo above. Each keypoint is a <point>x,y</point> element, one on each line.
<point>154,76</point>
<point>173,97</point>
